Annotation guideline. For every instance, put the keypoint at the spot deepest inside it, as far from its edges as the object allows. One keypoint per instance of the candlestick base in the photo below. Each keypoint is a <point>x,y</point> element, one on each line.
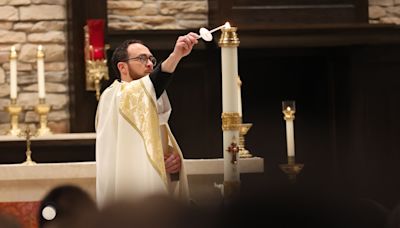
<point>13,109</point>
<point>243,152</point>
<point>292,169</point>
<point>43,109</point>
<point>28,160</point>
<point>231,190</point>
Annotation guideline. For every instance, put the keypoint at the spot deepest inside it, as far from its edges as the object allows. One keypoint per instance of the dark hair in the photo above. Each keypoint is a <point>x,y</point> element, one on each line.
<point>121,54</point>
<point>71,206</point>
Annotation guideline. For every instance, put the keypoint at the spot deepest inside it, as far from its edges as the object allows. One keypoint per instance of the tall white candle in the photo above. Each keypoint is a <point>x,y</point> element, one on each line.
<point>13,73</point>
<point>290,137</point>
<point>40,72</point>
<point>229,65</point>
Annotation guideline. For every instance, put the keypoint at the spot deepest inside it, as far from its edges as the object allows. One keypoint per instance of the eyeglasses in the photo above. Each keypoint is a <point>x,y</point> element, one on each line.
<point>143,59</point>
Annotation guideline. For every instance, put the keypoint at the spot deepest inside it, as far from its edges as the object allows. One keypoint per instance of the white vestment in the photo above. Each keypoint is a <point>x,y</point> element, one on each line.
<point>132,137</point>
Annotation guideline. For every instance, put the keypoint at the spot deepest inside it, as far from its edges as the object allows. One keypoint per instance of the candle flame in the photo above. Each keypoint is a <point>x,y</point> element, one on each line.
<point>40,48</point>
<point>227,25</point>
<point>13,48</point>
<point>288,108</point>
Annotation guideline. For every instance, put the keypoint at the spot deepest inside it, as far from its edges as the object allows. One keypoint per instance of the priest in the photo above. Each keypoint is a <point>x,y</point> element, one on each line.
<point>136,153</point>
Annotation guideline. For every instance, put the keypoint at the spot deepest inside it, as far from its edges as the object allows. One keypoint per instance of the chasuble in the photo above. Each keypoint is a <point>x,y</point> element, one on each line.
<point>132,136</point>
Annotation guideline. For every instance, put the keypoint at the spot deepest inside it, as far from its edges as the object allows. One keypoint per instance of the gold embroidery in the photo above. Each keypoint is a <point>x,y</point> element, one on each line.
<point>139,109</point>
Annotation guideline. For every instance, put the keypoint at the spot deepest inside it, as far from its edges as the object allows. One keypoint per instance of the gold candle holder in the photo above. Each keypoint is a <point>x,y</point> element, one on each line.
<point>27,134</point>
<point>13,109</point>
<point>243,152</point>
<point>292,169</point>
<point>43,109</point>
<point>229,37</point>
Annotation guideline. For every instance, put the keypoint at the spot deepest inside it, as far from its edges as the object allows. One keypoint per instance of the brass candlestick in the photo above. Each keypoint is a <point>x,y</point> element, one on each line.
<point>243,152</point>
<point>27,134</point>
<point>96,69</point>
<point>291,168</point>
<point>43,109</point>
<point>13,109</point>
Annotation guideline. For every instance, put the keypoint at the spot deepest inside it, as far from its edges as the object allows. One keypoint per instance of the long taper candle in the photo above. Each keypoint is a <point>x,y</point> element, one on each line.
<point>13,73</point>
<point>289,109</point>
<point>40,72</point>
<point>290,137</point>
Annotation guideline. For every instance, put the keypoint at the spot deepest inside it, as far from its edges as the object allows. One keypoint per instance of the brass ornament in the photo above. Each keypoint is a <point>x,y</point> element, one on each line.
<point>14,110</point>
<point>28,135</point>
<point>229,37</point>
<point>231,121</point>
<point>43,109</point>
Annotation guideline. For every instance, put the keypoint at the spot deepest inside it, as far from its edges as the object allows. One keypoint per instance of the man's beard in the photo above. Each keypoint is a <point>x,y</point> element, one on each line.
<point>134,75</point>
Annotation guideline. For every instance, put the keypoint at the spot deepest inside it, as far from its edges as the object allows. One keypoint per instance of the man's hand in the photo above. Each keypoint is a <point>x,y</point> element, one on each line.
<point>184,44</point>
<point>183,47</point>
<point>172,162</point>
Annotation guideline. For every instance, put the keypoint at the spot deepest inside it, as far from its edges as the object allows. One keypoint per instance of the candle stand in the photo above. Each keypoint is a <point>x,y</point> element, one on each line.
<point>243,152</point>
<point>13,109</point>
<point>28,134</point>
<point>292,169</point>
<point>43,109</point>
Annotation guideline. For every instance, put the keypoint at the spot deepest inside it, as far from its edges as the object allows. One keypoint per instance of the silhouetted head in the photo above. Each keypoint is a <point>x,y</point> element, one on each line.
<point>66,206</point>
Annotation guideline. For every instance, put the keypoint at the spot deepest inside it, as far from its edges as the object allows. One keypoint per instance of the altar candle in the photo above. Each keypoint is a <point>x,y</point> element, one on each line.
<point>229,43</point>
<point>229,62</point>
<point>290,135</point>
<point>40,72</point>
<point>13,73</point>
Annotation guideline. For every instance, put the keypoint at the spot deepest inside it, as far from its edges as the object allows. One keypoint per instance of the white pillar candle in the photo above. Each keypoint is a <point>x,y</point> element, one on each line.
<point>13,73</point>
<point>40,72</point>
<point>229,65</point>
<point>290,137</point>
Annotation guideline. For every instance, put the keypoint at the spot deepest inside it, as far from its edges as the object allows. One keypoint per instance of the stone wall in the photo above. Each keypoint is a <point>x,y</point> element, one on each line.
<point>157,14</point>
<point>384,11</point>
<point>26,24</point>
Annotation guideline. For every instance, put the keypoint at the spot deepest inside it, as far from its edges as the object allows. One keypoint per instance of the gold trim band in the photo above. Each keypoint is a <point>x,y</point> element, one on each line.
<point>231,121</point>
<point>229,37</point>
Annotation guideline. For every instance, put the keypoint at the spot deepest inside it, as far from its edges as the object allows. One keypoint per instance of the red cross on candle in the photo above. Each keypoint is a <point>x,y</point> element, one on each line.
<point>233,149</point>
